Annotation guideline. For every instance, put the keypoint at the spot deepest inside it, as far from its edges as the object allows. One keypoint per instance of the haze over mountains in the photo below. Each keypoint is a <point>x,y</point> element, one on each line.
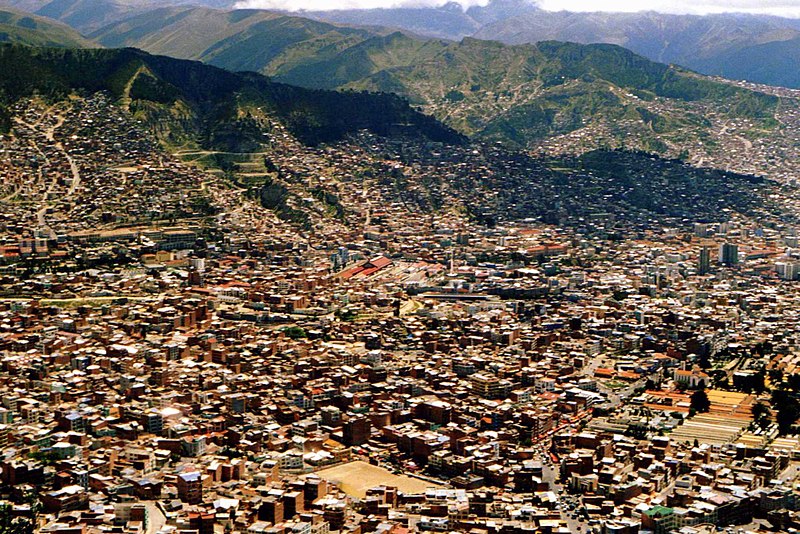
<point>730,45</point>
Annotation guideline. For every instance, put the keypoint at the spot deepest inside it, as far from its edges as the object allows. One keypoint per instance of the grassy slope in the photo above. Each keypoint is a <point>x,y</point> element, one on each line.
<point>22,28</point>
<point>216,107</point>
<point>516,93</point>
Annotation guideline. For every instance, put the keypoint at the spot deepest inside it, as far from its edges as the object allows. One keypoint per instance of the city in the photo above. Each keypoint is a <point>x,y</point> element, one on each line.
<point>412,339</point>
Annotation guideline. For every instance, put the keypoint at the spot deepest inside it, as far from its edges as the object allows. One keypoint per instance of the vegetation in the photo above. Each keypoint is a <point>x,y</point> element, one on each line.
<point>699,401</point>
<point>761,415</point>
<point>45,457</point>
<point>26,29</point>
<point>786,401</point>
<point>11,524</point>
<point>515,94</point>
<point>215,107</point>
<point>294,332</point>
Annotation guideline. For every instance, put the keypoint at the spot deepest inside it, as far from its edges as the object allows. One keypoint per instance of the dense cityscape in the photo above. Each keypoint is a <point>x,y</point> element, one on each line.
<point>388,336</point>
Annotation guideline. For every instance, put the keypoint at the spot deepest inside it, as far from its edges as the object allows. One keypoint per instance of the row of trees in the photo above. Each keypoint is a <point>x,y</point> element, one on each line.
<point>785,401</point>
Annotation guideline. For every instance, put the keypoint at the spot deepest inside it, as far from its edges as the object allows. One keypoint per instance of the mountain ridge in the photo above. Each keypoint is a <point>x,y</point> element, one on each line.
<point>516,93</point>
<point>212,106</point>
<point>32,30</point>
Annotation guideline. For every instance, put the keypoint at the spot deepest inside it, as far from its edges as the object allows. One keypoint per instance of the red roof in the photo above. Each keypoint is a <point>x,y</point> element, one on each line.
<point>367,272</point>
<point>380,262</point>
<point>351,272</point>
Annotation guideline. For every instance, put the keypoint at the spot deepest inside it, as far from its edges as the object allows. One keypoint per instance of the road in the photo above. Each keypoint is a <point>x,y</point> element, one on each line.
<point>572,519</point>
<point>49,135</point>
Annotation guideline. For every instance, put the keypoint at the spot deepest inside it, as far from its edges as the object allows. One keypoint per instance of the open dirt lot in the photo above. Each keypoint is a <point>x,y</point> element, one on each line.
<point>355,478</point>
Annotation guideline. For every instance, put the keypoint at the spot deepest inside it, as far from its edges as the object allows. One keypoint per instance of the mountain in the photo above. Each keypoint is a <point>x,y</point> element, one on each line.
<point>192,103</point>
<point>86,15</point>
<point>22,28</point>
<point>447,22</point>
<point>530,92</point>
<point>711,44</point>
<point>522,94</point>
<point>236,40</point>
<point>696,42</point>
<point>772,63</point>
<point>89,15</point>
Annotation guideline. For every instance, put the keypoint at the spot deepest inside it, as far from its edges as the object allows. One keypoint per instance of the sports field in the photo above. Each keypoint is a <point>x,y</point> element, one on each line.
<point>355,478</point>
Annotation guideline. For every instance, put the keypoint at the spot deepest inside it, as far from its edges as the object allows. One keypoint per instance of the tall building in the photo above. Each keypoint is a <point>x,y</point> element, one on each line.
<point>489,386</point>
<point>190,487</point>
<point>702,229</point>
<point>356,431</point>
<point>704,263</point>
<point>787,270</point>
<point>729,254</point>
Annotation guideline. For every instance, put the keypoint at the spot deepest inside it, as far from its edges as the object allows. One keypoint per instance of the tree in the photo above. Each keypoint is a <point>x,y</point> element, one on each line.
<point>775,376</point>
<point>699,401</point>
<point>20,525</point>
<point>761,414</point>
<point>294,332</point>
<point>788,408</point>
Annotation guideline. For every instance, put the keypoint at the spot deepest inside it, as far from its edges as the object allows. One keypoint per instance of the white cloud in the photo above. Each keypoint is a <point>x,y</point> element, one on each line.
<point>324,5</point>
<point>784,8</point>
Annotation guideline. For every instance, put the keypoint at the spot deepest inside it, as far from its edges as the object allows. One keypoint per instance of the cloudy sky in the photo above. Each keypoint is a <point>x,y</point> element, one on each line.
<point>773,7</point>
<point>787,8</point>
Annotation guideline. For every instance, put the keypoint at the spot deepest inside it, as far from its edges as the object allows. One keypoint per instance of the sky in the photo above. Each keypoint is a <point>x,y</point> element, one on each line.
<point>786,8</point>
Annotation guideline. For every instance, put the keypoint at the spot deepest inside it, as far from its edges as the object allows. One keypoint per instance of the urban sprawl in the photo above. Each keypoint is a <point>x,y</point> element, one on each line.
<point>368,356</point>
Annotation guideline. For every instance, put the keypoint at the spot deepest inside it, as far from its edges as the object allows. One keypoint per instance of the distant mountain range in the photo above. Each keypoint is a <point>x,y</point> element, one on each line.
<point>761,49</point>
<point>89,15</point>
<point>260,41</point>
<point>519,94</point>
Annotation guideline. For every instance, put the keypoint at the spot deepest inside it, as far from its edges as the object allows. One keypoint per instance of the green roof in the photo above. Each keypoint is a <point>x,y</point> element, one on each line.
<point>659,511</point>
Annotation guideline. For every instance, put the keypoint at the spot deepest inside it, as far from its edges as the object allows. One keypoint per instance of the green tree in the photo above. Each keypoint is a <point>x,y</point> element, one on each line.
<point>787,405</point>
<point>294,332</point>
<point>761,414</point>
<point>699,401</point>
<point>20,525</point>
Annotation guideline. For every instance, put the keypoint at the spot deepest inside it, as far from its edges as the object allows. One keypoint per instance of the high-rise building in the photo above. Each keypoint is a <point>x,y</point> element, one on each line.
<point>489,386</point>
<point>702,229</point>
<point>190,487</point>
<point>704,263</point>
<point>787,270</point>
<point>729,254</point>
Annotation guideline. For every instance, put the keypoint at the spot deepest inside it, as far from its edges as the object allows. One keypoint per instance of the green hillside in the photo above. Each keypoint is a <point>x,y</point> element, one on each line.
<point>520,94</point>
<point>22,28</point>
<point>192,102</point>
<point>773,63</point>
<point>235,40</point>
<point>529,92</point>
